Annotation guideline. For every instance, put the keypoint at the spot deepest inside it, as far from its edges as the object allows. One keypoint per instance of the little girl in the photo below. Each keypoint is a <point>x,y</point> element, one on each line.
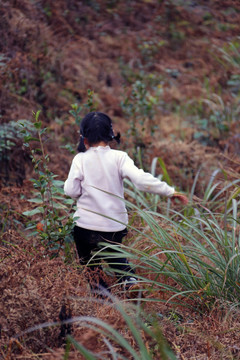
<point>96,180</point>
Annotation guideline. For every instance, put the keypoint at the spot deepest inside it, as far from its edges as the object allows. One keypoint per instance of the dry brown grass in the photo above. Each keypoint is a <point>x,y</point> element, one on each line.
<point>55,50</point>
<point>34,288</point>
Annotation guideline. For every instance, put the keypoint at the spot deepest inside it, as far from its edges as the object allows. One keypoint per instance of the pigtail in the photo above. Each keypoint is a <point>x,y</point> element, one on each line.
<point>117,137</point>
<point>81,147</point>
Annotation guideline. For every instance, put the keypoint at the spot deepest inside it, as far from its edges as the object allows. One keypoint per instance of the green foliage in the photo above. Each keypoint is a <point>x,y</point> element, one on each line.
<point>75,112</point>
<point>231,53</point>
<point>230,58</point>
<point>10,135</point>
<point>140,107</point>
<point>90,103</point>
<point>176,35</point>
<point>198,249</point>
<point>51,215</point>
<point>212,119</point>
<point>139,72</point>
<point>234,84</point>
<point>150,48</point>
<point>23,86</point>
<point>13,156</point>
<point>217,124</point>
<point>48,11</point>
<point>3,60</point>
<point>77,109</point>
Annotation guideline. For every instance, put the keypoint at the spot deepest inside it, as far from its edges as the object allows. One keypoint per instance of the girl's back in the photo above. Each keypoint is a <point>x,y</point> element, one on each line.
<point>96,178</point>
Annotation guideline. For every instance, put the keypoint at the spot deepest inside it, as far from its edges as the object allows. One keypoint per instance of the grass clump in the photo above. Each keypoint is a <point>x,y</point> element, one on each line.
<point>190,256</point>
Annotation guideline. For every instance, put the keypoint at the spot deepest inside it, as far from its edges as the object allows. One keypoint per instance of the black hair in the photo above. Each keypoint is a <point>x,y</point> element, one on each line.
<point>96,127</point>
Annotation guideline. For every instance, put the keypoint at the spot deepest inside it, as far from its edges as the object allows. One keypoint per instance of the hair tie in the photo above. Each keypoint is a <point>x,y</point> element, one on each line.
<point>117,137</point>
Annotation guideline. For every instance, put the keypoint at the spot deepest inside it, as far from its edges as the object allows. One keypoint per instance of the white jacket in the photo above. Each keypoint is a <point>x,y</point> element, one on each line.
<point>96,180</point>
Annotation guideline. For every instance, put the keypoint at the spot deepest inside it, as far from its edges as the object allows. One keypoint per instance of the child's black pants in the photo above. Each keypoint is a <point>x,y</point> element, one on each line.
<point>87,241</point>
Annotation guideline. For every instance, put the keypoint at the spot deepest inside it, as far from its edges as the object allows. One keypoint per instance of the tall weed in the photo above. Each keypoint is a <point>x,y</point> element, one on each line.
<point>140,107</point>
<point>140,337</point>
<point>191,255</point>
<point>140,325</point>
<point>51,220</point>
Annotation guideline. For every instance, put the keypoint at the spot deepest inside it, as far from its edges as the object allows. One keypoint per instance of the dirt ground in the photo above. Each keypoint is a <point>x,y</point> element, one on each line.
<point>34,289</point>
<point>55,51</point>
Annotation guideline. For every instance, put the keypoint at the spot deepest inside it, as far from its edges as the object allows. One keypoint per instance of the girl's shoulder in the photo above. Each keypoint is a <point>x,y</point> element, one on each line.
<point>119,153</point>
<point>120,157</point>
<point>77,159</point>
<point>78,156</point>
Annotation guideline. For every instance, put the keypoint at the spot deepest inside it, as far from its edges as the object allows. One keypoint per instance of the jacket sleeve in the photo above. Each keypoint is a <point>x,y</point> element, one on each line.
<point>72,186</point>
<point>142,180</point>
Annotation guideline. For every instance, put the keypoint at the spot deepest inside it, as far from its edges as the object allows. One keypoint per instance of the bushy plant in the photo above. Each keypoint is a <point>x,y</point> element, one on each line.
<point>230,58</point>
<point>11,142</point>
<point>230,52</point>
<point>77,109</point>
<point>139,72</point>
<point>52,221</point>
<point>198,250</point>
<point>221,117</point>
<point>10,133</point>
<point>51,215</point>
<point>149,48</point>
<point>140,107</point>
<point>212,118</point>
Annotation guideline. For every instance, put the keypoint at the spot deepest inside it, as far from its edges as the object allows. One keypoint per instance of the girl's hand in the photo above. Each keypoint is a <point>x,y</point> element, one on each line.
<point>181,197</point>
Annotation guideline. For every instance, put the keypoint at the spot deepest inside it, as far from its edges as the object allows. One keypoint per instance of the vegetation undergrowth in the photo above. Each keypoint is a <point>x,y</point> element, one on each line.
<point>11,140</point>
<point>144,329</point>
<point>148,340</point>
<point>179,56</point>
<point>191,255</point>
<point>52,222</point>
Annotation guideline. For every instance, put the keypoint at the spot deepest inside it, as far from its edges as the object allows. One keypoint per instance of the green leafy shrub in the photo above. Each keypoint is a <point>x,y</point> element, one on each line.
<point>230,58</point>
<point>140,107</point>
<point>213,119</point>
<point>150,48</point>
<point>139,71</point>
<point>51,215</point>
<point>231,54</point>
<point>77,109</point>
<point>219,119</point>
<point>13,156</point>
<point>10,133</point>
